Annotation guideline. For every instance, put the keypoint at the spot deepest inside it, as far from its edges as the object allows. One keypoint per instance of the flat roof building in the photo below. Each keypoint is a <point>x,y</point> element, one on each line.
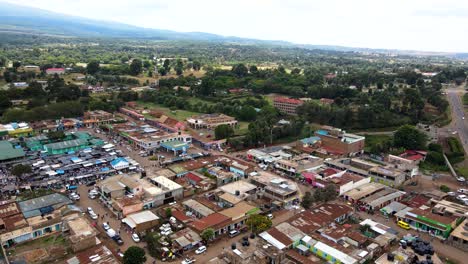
<point>211,121</point>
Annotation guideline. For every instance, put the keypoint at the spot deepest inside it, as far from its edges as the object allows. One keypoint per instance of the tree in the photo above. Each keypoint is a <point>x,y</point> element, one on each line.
<point>240,70</point>
<point>168,212</point>
<point>20,169</point>
<point>196,65</point>
<point>92,67</point>
<point>179,67</point>
<point>253,69</point>
<point>307,200</point>
<point>258,223</point>
<point>134,255</point>
<point>166,65</point>
<point>56,135</point>
<point>135,67</point>
<point>223,131</point>
<point>445,188</point>
<point>207,234</point>
<point>16,64</point>
<point>247,113</point>
<point>409,137</point>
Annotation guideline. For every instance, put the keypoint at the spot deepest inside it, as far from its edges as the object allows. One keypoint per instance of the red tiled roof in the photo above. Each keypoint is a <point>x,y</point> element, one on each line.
<point>193,177</point>
<point>311,220</point>
<point>288,100</point>
<point>415,157</point>
<point>278,235</point>
<point>328,172</point>
<point>181,216</point>
<point>214,221</point>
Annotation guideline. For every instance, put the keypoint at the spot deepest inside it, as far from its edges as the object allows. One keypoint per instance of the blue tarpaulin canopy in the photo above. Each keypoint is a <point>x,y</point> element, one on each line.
<point>60,171</point>
<point>105,169</point>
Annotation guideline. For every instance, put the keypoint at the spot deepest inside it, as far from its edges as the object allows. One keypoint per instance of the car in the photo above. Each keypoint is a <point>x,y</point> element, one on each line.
<point>105,226</point>
<point>93,215</point>
<point>461,179</point>
<point>451,194</point>
<point>92,197</point>
<point>270,216</point>
<point>233,233</point>
<point>91,183</point>
<point>188,261</point>
<point>135,238</point>
<point>89,210</point>
<point>200,250</point>
<point>118,240</point>
<point>464,191</point>
<point>461,197</point>
<point>74,196</point>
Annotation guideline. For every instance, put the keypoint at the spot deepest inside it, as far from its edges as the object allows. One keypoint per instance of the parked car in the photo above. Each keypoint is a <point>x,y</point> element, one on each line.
<point>200,250</point>
<point>464,191</point>
<point>74,196</point>
<point>451,194</point>
<point>233,233</point>
<point>135,238</point>
<point>461,179</point>
<point>270,216</point>
<point>118,240</point>
<point>188,261</point>
<point>105,226</point>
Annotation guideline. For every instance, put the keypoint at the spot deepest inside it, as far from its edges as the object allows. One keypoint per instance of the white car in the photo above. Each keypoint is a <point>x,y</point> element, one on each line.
<point>461,197</point>
<point>451,194</point>
<point>464,191</point>
<point>105,226</point>
<point>188,261</point>
<point>461,179</point>
<point>89,209</point>
<point>135,238</point>
<point>75,196</point>
<point>200,250</point>
<point>93,215</point>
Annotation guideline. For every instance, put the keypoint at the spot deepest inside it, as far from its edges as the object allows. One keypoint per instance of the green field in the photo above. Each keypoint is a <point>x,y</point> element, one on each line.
<point>376,140</point>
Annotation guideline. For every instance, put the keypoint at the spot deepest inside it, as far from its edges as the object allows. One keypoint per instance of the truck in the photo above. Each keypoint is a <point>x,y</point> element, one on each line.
<point>71,187</point>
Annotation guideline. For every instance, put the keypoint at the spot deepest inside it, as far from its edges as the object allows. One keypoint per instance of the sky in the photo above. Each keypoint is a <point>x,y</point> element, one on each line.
<point>426,25</point>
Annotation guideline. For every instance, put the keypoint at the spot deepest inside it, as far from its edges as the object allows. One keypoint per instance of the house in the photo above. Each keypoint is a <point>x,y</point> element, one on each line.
<point>43,215</point>
<point>239,214</point>
<point>82,234</point>
<point>319,216</point>
<point>282,192</point>
<point>127,205</point>
<point>119,164</point>
<point>217,221</point>
<point>196,208</point>
<point>52,71</point>
<point>186,239</point>
<point>142,221</point>
<point>29,68</point>
<point>283,235</point>
<point>459,236</point>
<point>423,220</point>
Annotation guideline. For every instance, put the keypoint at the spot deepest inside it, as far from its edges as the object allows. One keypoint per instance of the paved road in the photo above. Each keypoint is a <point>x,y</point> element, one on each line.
<point>458,112</point>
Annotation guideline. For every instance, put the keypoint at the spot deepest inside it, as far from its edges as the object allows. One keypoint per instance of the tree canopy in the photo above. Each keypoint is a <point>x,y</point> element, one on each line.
<point>134,255</point>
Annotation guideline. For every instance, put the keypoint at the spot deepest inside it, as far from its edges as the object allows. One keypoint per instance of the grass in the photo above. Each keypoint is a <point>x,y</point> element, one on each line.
<point>243,128</point>
<point>45,242</point>
<point>180,115</point>
<point>462,172</point>
<point>374,140</point>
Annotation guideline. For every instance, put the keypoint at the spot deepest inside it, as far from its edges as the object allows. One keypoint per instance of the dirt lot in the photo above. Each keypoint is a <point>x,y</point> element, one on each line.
<point>43,250</point>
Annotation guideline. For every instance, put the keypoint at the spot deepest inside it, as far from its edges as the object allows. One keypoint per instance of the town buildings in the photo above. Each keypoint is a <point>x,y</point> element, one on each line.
<point>287,105</point>
<point>335,140</point>
<point>52,71</point>
<point>211,121</point>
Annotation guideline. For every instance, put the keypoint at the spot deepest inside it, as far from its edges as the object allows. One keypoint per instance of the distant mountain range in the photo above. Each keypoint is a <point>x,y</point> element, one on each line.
<point>27,20</point>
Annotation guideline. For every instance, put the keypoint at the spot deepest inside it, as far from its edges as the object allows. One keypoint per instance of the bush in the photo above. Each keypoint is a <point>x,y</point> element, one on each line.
<point>445,188</point>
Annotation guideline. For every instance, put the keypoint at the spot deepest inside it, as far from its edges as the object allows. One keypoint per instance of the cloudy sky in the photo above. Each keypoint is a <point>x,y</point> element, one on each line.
<point>429,25</point>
